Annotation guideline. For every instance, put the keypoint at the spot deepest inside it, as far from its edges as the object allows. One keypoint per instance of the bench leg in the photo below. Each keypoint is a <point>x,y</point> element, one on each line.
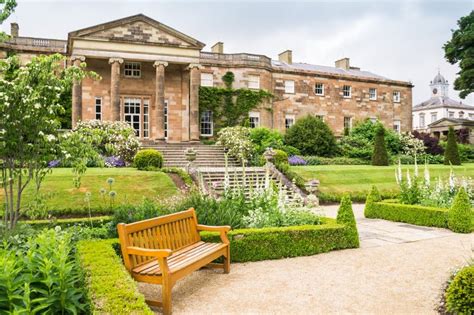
<point>227,261</point>
<point>166,297</point>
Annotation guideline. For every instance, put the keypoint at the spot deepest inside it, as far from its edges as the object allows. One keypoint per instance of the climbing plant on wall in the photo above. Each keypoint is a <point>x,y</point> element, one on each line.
<point>229,106</point>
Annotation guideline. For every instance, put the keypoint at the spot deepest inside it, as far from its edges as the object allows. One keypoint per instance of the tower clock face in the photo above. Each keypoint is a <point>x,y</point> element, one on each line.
<point>435,91</point>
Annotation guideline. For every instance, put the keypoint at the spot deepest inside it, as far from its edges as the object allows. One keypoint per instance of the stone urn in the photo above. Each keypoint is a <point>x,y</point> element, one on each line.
<point>190,155</point>
<point>268,155</point>
<point>311,187</point>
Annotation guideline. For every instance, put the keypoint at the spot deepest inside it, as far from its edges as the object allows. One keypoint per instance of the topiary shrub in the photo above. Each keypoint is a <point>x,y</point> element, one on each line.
<point>460,214</point>
<point>451,154</point>
<point>460,292</point>
<point>148,158</point>
<point>345,216</point>
<point>380,155</point>
<point>312,136</point>
<point>280,157</point>
<point>372,197</point>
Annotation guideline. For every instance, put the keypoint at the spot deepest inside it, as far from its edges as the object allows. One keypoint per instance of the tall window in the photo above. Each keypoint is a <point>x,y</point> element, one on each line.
<point>434,117</point>
<point>348,123</point>
<point>450,114</point>
<point>373,119</point>
<point>422,120</point>
<point>254,82</point>
<point>207,79</point>
<point>290,86</point>
<point>206,123</point>
<point>132,113</point>
<point>397,126</point>
<point>396,96</point>
<point>165,119</point>
<point>347,91</point>
<point>320,117</point>
<point>471,116</point>
<point>319,89</point>
<point>461,114</point>
<point>289,121</point>
<point>98,108</point>
<point>373,94</point>
<point>136,112</point>
<point>132,70</point>
<point>254,119</point>
<point>146,118</point>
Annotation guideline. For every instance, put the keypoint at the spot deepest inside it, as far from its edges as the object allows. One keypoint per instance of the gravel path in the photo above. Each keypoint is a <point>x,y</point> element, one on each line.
<point>399,269</point>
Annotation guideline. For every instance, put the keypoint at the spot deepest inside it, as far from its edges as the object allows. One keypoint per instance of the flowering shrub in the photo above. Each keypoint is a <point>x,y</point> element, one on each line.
<point>237,142</point>
<point>114,161</point>
<point>411,145</point>
<point>296,160</point>
<point>111,138</point>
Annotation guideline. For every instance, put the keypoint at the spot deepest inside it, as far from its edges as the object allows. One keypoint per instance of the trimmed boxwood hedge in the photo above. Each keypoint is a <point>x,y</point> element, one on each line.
<point>96,221</point>
<point>110,288</point>
<point>283,242</point>
<point>412,214</point>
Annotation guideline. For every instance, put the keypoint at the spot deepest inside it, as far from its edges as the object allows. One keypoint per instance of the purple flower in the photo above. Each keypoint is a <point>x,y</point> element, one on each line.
<point>296,160</point>
<point>54,163</point>
<point>114,161</point>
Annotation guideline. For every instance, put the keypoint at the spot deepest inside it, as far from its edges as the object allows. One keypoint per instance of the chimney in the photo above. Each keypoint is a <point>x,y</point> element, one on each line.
<point>14,30</point>
<point>343,64</point>
<point>218,48</point>
<point>286,56</point>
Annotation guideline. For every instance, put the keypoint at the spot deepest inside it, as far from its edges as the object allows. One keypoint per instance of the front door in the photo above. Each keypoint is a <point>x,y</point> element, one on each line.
<point>132,113</point>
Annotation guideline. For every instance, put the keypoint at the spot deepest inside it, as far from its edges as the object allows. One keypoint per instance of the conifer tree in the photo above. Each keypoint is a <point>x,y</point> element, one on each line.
<point>380,155</point>
<point>451,155</point>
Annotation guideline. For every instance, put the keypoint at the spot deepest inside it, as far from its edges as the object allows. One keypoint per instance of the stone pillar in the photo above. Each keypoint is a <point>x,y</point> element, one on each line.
<point>160,99</point>
<point>115,87</point>
<point>77,93</point>
<point>194,82</point>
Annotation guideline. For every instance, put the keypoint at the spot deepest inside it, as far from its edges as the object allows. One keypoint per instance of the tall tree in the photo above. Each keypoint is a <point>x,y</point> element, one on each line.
<point>461,49</point>
<point>7,8</point>
<point>451,154</point>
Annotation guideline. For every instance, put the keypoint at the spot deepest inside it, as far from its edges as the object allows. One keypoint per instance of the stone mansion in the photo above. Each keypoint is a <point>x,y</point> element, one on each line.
<point>151,75</point>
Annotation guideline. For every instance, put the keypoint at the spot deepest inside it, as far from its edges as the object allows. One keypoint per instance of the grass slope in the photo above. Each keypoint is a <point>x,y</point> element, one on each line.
<point>358,179</point>
<point>130,185</point>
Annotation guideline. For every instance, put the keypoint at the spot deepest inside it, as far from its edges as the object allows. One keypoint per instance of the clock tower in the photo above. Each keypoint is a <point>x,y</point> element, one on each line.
<point>439,86</point>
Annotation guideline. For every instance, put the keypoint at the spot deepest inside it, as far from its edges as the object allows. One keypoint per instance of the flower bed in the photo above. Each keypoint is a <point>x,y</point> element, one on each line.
<point>459,218</point>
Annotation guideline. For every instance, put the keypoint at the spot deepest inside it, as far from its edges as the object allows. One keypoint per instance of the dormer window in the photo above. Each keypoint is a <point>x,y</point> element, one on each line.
<point>132,70</point>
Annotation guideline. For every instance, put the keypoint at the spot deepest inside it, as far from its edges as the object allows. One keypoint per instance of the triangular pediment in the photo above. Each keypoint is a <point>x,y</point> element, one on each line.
<point>138,29</point>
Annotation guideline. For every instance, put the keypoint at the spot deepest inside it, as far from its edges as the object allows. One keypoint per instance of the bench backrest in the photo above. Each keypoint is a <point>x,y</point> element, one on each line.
<point>172,231</point>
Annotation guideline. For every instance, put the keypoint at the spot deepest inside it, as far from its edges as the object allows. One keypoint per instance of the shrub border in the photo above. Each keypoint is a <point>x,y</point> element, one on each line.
<point>96,221</point>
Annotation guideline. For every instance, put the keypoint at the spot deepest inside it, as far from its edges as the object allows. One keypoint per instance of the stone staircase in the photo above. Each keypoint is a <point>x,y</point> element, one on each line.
<point>207,155</point>
<point>214,177</point>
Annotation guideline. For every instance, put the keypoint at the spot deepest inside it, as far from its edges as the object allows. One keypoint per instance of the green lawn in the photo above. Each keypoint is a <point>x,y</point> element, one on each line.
<point>357,179</point>
<point>131,186</point>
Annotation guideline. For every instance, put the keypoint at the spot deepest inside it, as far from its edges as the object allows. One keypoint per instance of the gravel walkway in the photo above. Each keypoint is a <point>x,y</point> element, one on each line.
<point>399,269</point>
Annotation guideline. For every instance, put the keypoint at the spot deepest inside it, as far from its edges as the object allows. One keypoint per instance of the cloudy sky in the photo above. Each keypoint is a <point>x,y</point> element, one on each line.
<point>397,39</point>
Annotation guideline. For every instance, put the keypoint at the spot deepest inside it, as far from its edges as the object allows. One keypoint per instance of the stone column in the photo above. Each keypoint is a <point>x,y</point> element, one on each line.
<point>194,82</point>
<point>160,99</point>
<point>77,93</point>
<point>115,87</point>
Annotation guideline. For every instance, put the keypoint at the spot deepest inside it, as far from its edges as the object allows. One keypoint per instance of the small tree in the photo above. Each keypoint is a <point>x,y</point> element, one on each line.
<point>29,105</point>
<point>312,136</point>
<point>380,155</point>
<point>451,154</point>
<point>460,216</point>
<point>372,197</point>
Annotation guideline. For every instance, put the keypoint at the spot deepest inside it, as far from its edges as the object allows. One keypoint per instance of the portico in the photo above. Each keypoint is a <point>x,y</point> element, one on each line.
<point>150,78</point>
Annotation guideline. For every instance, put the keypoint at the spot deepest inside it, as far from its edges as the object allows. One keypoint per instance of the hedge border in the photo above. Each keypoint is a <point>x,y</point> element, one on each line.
<point>413,214</point>
<point>96,221</point>
<point>110,288</point>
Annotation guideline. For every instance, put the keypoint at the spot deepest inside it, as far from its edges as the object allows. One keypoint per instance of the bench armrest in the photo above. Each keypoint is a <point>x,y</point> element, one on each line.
<point>158,253</point>
<point>222,229</point>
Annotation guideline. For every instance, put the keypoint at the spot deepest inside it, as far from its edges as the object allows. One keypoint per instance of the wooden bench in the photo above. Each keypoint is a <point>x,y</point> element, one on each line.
<point>164,249</point>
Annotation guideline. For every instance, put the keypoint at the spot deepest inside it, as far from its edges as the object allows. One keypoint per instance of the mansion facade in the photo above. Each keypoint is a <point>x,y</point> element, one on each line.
<point>151,76</point>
